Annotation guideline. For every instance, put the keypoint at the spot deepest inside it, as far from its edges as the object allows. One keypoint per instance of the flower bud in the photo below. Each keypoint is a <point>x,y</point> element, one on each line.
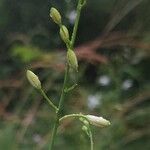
<point>55,15</point>
<point>64,33</point>
<point>33,79</point>
<point>85,128</point>
<point>81,119</point>
<point>86,122</point>
<point>72,59</point>
<point>98,121</point>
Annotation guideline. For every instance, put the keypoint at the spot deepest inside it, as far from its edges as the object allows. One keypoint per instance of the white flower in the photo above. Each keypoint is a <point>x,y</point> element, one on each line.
<point>127,84</point>
<point>97,121</point>
<point>104,80</point>
<point>33,79</point>
<point>94,101</point>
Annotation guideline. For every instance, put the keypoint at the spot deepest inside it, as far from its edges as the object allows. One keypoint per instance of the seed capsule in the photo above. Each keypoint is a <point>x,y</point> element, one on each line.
<point>33,79</point>
<point>55,15</point>
<point>64,33</point>
<point>72,59</point>
<point>98,121</point>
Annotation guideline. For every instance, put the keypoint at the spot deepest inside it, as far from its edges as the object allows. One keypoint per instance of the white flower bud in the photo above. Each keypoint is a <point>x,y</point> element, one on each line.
<point>55,15</point>
<point>97,121</point>
<point>86,122</point>
<point>33,79</point>
<point>64,33</point>
<point>72,59</point>
<point>85,128</point>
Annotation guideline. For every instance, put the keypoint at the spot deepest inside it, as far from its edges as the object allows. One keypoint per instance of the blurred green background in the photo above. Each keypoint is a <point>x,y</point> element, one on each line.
<point>113,49</point>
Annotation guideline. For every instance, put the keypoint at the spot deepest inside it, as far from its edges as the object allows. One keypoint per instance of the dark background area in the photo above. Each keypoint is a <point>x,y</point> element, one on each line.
<point>113,49</point>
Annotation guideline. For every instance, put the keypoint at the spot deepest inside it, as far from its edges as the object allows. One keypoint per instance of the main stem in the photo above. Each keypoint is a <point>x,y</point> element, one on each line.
<point>63,93</point>
<point>91,141</point>
<point>59,108</point>
<point>73,38</point>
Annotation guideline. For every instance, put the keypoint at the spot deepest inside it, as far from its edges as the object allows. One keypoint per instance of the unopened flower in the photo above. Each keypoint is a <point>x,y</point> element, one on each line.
<point>72,59</point>
<point>97,121</point>
<point>64,33</point>
<point>33,79</point>
<point>85,128</point>
<point>55,15</point>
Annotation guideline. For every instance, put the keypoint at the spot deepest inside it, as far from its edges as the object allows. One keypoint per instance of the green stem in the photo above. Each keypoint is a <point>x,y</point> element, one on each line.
<point>70,88</point>
<point>83,116</point>
<point>79,8</point>
<point>63,94</point>
<point>48,100</point>
<point>91,141</point>
<point>72,115</point>
<point>59,108</point>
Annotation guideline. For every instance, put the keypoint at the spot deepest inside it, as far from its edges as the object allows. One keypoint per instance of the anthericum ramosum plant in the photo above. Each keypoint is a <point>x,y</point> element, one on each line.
<point>71,63</point>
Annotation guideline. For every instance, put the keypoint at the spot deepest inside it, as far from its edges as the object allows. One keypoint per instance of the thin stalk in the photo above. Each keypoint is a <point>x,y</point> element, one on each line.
<point>91,141</point>
<point>79,8</point>
<point>59,108</point>
<point>72,116</point>
<point>48,100</point>
<point>63,93</point>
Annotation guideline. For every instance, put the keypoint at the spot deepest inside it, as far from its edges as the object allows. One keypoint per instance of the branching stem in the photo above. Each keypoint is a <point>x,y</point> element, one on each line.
<point>72,116</point>
<point>48,100</point>
<point>59,108</point>
<point>79,8</point>
<point>63,93</point>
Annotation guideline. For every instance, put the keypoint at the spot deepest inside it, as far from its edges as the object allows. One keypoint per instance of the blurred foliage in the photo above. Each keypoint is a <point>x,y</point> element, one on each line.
<point>117,31</point>
<point>26,54</point>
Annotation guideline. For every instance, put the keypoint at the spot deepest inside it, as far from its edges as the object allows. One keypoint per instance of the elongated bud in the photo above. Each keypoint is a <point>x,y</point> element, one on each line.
<point>72,59</point>
<point>55,15</point>
<point>86,122</point>
<point>64,33</point>
<point>85,128</point>
<point>33,79</point>
<point>98,121</point>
